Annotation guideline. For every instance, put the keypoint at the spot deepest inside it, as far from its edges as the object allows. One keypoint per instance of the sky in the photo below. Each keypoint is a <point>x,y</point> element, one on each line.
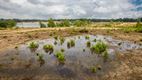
<point>62,9</point>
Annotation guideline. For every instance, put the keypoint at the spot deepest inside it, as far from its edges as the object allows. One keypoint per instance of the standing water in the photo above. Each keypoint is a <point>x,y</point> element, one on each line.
<point>69,58</point>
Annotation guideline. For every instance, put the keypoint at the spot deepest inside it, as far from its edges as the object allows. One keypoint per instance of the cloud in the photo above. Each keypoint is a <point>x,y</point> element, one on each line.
<point>44,9</point>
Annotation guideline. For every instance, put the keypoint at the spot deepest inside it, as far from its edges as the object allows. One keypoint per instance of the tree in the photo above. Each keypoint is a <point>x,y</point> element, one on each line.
<point>7,23</point>
<point>51,23</point>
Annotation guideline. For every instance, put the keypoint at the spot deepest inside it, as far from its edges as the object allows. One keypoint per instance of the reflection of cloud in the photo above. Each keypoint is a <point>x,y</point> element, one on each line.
<point>43,9</point>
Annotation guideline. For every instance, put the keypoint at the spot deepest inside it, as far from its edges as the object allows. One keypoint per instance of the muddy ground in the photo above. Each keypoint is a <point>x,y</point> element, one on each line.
<point>130,62</point>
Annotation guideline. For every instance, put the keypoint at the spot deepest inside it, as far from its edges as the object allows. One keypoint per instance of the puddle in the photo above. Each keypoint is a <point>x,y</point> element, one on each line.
<point>78,59</point>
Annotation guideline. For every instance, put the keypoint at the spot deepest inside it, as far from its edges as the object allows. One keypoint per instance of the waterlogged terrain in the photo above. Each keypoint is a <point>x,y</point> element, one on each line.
<point>69,58</point>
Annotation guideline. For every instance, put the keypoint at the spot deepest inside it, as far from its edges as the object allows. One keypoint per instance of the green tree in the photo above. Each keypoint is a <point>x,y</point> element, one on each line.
<point>51,23</point>
<point>7,23</point>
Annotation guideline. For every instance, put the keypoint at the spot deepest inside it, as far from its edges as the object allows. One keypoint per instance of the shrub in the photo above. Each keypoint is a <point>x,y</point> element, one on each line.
<point>33,45</point>
<point>48,48</point>
<point>60,56</point>
<point>99,48</point>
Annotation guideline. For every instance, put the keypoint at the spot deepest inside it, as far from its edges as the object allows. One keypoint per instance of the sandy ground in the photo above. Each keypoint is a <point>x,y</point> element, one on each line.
<point>129,68</point>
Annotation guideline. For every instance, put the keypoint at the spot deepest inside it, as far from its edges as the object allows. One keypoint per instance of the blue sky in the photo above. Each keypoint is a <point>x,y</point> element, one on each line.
<point>58,9</point>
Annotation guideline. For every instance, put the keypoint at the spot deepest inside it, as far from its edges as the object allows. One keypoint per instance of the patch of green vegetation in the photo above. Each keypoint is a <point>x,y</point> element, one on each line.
<point>87,37</point>
<point>55,43</point>
<point>62,40</point>
<point>88,43</point>
<point>99,47</point>
<point>105,55</point>
<point>33,45</point>
<point>7,23</point>
<point>40,58</point>
<point>48,48</point>
<point>60,56</point>
<point>51,23</point>
<point>95,40</point>
<point>70,43</point>
<point>93,69</point>
<point>62,50</point>
<point>56,37</point>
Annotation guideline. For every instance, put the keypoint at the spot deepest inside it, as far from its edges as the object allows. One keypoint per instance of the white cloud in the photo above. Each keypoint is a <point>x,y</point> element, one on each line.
<point>44,9</point>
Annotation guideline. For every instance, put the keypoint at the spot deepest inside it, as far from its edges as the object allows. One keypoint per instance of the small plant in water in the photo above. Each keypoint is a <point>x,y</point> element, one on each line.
<point>62,50</point>
<point>62,40</point>
<point>48,48</point>
<point>40,59</point>
<point>60,56</point>
<point>56,37</point>
<point>93,69</point>
<point>94,40</point>
<point>99,48</point>
<point>33,45</point>
<point>105,55</point>
<point>83,50</point>
<point>87,37</point>
<point>70,43</point>
<point>55,43</point>
<point>88,43</point>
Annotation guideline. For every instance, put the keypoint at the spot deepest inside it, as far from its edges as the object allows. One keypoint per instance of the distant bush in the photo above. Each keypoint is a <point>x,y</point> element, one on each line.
<point>64,23</point>
<point>51,23</point>
<point>81,23</point>
<point>7,23</point>
<point>42,25</point>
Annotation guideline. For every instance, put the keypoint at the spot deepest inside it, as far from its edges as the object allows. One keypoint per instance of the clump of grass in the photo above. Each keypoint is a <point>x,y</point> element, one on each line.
<point>83,50</point>
<point>56,37</point>
<point>40,59</point>
<point>87,37</point>
<point>60,56</point>
<point>88,43</point>
<point>62,50</point>
<point>105,55</point>
<point>93,69</point>
<point>99,48</point>
<point>55,43</point>
<point>33,45</point>
<point>94,40</point>
<point>70,43</point>
<point>62,40</point>
<point>48,48</point>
